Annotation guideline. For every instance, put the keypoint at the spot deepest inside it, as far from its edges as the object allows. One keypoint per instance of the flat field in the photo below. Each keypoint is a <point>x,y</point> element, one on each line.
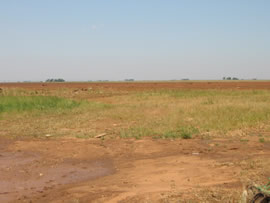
<point>189,141</point>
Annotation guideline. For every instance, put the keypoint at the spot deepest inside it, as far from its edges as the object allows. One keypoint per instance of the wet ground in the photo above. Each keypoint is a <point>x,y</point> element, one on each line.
<point>127,170</point>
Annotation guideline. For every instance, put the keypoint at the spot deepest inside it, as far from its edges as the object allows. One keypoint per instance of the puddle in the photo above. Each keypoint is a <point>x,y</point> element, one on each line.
<point>12,159</point>
<point>23,175</point>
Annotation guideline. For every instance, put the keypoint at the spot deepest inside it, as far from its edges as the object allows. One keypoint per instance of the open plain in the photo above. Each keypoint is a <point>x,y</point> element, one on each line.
<point>189,141</point>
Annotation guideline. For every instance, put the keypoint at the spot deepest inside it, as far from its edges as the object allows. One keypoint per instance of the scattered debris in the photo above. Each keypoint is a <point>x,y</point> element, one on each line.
<point>101,135</point>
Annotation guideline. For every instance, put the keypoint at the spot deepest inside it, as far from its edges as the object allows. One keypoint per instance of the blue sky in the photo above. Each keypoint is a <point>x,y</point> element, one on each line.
<point>140,39</point>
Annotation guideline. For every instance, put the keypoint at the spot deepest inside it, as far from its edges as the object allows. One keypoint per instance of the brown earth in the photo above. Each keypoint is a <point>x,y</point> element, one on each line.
<point>129,170</point>
<point>144,85</point>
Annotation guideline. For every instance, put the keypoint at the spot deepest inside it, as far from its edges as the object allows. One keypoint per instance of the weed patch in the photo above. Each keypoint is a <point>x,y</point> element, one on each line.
<point>29,103</point>
<point>182,132</point>
<point>262,140</point>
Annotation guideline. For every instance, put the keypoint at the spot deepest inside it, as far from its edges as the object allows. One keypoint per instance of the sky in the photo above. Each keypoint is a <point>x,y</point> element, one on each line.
<point>81,40</point>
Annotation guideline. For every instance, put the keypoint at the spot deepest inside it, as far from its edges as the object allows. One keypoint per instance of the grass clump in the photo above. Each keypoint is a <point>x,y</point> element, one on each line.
<point>185,132</point>
<point>29,103</point>
<point>262,140</point>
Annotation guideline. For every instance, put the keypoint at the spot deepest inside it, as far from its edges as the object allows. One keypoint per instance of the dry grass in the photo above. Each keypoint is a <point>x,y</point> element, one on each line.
<point>162,113</point>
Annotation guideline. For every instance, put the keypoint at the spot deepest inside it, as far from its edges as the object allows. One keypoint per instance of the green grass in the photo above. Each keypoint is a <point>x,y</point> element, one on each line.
<point>159,113</point>
<point>30,103</point>
<point>261,140</point>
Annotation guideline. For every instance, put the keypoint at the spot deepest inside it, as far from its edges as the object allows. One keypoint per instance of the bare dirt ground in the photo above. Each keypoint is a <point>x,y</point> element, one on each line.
<point>128,170</point>
<point>145,85</point>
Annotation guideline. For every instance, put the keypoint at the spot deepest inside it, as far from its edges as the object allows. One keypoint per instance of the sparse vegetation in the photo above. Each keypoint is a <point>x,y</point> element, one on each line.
<point>162,113</point>
<point>262,140</point>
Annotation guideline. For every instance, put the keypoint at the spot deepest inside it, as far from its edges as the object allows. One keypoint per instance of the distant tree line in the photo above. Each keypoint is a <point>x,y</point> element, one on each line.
<point>129,80</point>
<point>55,80</point>
<point>230,78</point>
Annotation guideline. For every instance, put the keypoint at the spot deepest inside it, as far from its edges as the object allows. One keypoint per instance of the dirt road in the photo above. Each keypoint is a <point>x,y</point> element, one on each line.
<point>128,170</point>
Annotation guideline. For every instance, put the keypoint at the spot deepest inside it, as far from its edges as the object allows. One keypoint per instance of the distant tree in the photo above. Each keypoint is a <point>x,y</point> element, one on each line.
<point>129,80</point>
<point>224,78</point>
<point>55,80</point>
<point>228,78</point>
<point>59,80</point>
<point>234,78</point>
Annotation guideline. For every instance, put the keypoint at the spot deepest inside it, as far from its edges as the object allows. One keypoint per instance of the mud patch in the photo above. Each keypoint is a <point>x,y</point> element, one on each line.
<point>12,159</point>
<point>23,174</point>
<point>146,170</point>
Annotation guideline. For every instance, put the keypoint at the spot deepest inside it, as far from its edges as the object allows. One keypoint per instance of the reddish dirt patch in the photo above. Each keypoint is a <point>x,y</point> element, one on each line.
<point>124,170</point>
<point>143,85</point>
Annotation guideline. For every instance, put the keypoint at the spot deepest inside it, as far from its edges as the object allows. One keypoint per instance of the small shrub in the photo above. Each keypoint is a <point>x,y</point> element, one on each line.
<point>182,132</point>
<point>262,140</point>
<point>186,135</point>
